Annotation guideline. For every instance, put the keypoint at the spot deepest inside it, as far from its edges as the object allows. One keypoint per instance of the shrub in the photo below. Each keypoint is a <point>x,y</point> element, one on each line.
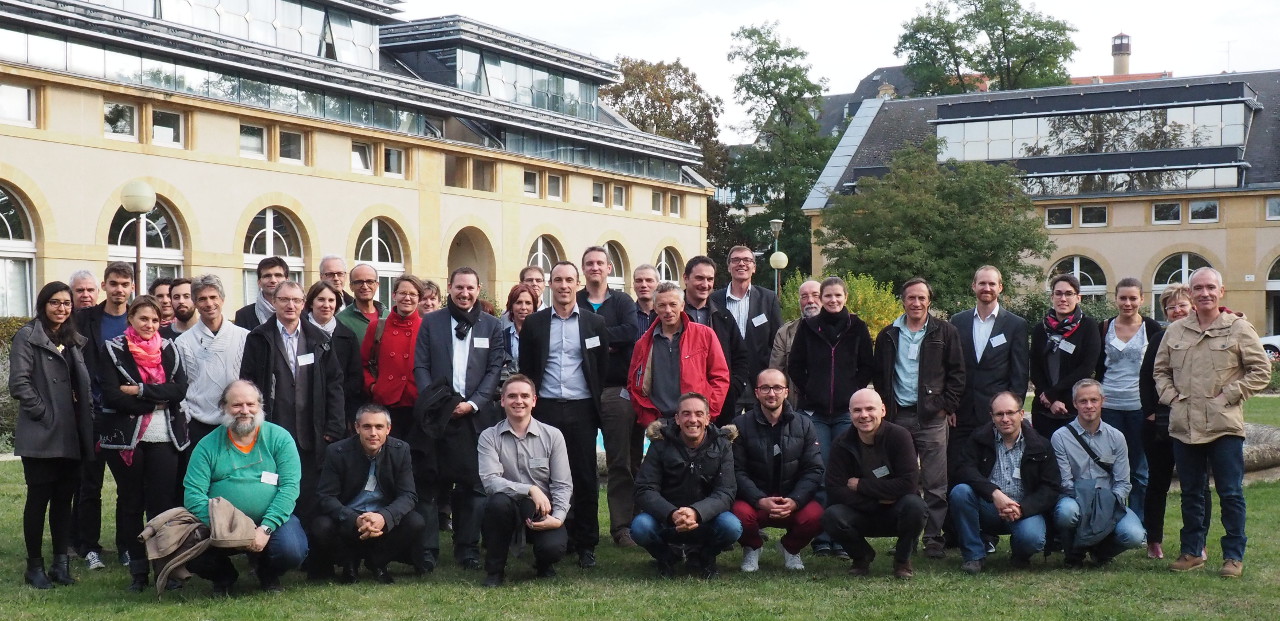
<point>8,407</point>
<point>1274,385</point>
<point>874,302</point>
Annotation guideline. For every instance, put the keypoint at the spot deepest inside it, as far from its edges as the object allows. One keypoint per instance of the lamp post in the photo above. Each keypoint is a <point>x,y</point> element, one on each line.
<point>138,197</point>
<point>777,260</point>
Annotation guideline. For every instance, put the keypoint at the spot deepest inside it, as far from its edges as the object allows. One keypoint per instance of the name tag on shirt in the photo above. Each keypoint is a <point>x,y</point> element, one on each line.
<point>759,320</point>
<point>1017,474</point>
<point>371,484</point>
<point>913,352</point>
<point>1067,347</point>
<point>306,359</point>
<point>270,478</point>
<point>1118,344</point>
<point>624,394</point>
<point>480,343</point>
<point>881,472</point>
<point>777,450</point>
<point>593,342</point>
<point>539,462</point>
<point>998,340</point>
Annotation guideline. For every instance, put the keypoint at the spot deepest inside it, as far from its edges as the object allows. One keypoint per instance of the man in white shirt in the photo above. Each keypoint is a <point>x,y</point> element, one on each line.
<point>212,351</point>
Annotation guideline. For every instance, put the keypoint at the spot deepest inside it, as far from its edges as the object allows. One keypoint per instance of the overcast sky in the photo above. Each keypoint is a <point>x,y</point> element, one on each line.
<point>848,39</point>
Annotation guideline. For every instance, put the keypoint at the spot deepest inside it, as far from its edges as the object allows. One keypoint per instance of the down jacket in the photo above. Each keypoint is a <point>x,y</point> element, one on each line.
<point>674,476</point>
<point>801,473</point>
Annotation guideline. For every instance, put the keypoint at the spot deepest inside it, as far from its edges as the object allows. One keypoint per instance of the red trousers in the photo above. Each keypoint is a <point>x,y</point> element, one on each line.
<point>802,525</point>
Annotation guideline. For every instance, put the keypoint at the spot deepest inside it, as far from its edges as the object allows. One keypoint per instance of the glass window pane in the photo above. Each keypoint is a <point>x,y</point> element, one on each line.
<point>1166,212</point>
<point>531,182</point>
<point>86,58</point>
<point>1225,178</point>
<point>166,128</point>
<point>48,51</point>
<point>15,288</point>
<point>15,105</point>
<point>1093,215</point>
<point>1000,150</point>
<point>482,175</point>
<point>159,73</point>
<point>291,146</point>
<point>13,44</point>
<point>1203,211</point>
<point>1181,116</point>
<point>253,140</point>
<point>975,150</point>
<point>1000,130</point>
<point>124,67</point>
<point>119,119</point>
<point>224,86</point>
<point>393,162</point>
<point>360,157</point>
<point>1057,217</point>
<point>1273,208</point>
<point>553,188</point>
<point>193,80</point>
<point>1233,114</point>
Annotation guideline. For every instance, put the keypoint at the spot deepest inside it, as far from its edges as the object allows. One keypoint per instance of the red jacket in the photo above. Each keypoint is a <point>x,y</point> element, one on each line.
<point>702,369</point>
<point>393,386</point>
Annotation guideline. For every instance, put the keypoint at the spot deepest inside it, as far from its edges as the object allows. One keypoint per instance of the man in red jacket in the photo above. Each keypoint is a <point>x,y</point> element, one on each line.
<point>673,357</point>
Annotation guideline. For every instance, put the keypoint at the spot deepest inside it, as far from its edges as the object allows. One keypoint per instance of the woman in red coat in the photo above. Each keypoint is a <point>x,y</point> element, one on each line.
<point>387,353</point>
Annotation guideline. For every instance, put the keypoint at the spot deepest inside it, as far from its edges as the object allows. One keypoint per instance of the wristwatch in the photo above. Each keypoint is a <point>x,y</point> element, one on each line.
<point>267,529</point>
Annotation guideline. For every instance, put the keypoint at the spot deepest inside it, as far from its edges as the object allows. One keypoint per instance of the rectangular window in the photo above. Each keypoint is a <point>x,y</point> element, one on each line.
<point>531,183</point>
<point>17,105</point>
<point>253,142</point>
<point>455,171</point>
<point>1202,212</point>
<point>361,158</point>
<point>657,201</point>
<point>1166,213</point>
<point>619,197</point>
<point>293,147</point>
<point>675,206</point>
<point>1057,217</point>
<point>393,162</point>
<point>167,128</point>
<point>482,175</point>
<point>1093,215</point>
<point>1273,208</point>
<point>119,121</point>
<point>597,193</point>
<point>555,188</point>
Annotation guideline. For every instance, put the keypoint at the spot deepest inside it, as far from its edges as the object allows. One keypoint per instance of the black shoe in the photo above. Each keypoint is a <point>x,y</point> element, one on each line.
<point>270,584</point>
<point>991,541</point>
<point>350,573</point>
<point>222,587</point>
<point>839,552</point>
<point>138,584</point>
<point>710,570</point>
<point>972,568</point>
<point>173,584</point>
<point>666,568</point>
<point>382,576</point>
<point>822,549</point>
<point>426,564</point>
<point>546,571</point>
<point>934,548</point>
<point>60,570</point>
<point>470,563</point>
<point>586,558</point>
<point>35,575</point>
<point>492,581</point>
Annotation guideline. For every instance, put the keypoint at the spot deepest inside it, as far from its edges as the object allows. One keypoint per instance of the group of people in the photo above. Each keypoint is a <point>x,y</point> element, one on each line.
<point>320,430</point>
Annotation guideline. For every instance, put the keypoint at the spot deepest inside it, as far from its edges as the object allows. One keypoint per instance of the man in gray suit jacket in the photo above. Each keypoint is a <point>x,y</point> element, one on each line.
<point>459,331</point>
<point>757,314</point>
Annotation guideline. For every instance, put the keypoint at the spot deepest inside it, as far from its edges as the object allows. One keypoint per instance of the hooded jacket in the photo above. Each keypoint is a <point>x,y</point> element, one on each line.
<point>674,475</point>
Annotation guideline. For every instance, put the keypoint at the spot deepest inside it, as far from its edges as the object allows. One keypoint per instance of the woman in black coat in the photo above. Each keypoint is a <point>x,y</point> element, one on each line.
<point>322,306</point>
<point>54,433</point>
<point>144,427</point>
<point>1064,350</point>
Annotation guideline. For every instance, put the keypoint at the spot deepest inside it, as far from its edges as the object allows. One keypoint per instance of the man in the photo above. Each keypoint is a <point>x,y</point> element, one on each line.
<point>673,357</point>
<point>756,313</point>
<point>1007,483</point>
<point>84,289</point>
<point>525,469</point>
<point>212,351</point>
<point>254,466</point>
<point>644,280</point>
<point>462,345</point>
<point>366,309</point>
<point>99,324</point>
<point>184,310</point>
<point>779,471</point>
<point>699,278</point>
<point>1208,364</point>
<point>565,352</point>
<point>366,499</point>
<point>810,305</point>
<point>159,289</point>
<point>430,297</point>
<point>333,270</point>
<point>1093,463</point>
<point>533,276</point>
<point>920,378</point>
<point>617,418</point>
<point>685,490</point>
<point>872,487</point>
<point>271,272</point>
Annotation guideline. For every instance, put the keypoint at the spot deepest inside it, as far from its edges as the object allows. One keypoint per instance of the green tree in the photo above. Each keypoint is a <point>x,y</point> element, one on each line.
<point>936,220</point>
<point>789,152</point>
<point>874,302</point>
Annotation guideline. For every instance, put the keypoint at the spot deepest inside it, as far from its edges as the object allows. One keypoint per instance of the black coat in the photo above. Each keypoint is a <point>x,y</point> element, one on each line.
<point>52,391</point>
<point>827,375</point>
<point>942,377</point>
<point>89,325</point>
<point>346,346</point>
<point>1038,468</point>
<point>121,413</point>
<point>1004,367</point>
<point>1079,364</point>
<point>346,470</point>
<point>1147,387</point>
<point>247,317</point>
<point>535,347</point>
<point>674,476</point>
<point>735,353</point>
<point>764,318</point>
<point>433,360</point>
<point>619,312</point>
<point>899,450</point>
<point>800,476</point>
<point>327,395</point>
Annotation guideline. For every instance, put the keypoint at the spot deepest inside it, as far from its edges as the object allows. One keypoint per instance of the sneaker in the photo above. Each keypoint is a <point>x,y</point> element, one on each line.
<point>750,559</point>
<point>1231,568</point>
<point>972,568</point>
<point>791,561</point>
<point>933,548</point>
<point>1186,562</point>
<point>124,558</point>
<point>94,561</point>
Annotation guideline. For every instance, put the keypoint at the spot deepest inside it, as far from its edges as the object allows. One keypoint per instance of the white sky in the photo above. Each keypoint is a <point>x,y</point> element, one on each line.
<point>847,39</point>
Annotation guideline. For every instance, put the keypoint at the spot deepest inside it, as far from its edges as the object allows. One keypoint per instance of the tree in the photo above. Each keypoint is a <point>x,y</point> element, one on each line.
<point>953,45</point>
<point>939,221</point>
<point>789,152</point>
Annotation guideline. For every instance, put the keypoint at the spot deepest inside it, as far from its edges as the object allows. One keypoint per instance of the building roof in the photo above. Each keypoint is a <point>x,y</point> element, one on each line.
<point>838,108</point>
<point>1116,79</point>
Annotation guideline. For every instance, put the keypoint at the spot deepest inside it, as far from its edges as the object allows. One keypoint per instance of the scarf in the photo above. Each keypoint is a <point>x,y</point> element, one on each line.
<point>831,325</point>
<point>327,327</point>
<point>466,319</point>
<point>263,308</point>
<point>146,356</point>
<point>1063,328</point>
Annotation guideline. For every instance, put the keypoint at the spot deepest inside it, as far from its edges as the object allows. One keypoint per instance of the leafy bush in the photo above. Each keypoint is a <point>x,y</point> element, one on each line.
<point>8,407</point>
<point>1274,385</point>
<point>874,302</point>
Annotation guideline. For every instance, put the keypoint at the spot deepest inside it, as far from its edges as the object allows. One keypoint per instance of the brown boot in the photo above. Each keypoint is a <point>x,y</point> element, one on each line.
<point>903,570</point>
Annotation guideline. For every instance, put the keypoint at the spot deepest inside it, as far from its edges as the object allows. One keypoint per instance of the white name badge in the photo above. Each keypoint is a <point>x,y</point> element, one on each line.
<point>539,462</point>
<point>1017,474</point>
<point>881,472</point>
<point>913,352</point>
<point>1067,347</point>
<point>624,394</point>
<point>306,359</point>
<point>480,343</point>
<point>759,320</point>
<point>998,340</point>
<point>593,342</point>
<point>270,478</point>
<point>1118,344</point>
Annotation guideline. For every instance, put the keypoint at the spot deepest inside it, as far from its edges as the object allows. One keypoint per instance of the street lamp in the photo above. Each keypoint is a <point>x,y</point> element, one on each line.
<point>138,197</point>
<point>778,260</point>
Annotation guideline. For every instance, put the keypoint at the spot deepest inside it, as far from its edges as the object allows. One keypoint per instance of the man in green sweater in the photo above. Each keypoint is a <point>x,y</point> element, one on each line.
<point>254,465</point>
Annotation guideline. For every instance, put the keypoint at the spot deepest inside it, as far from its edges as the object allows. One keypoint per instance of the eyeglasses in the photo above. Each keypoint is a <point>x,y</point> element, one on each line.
<point>1179,306</point>
<point>741,261</point>
<point>1008,414</point>
<point>333,274</point>
<point>364,283</point>
<point>1064,294</point>
<point>60,303</point>
<point>293,301</point>
<point>406,294</point>
<point>768,389</point>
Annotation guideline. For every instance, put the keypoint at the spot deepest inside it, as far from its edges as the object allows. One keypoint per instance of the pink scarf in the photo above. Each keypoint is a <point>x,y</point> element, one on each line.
<point>146,355</point>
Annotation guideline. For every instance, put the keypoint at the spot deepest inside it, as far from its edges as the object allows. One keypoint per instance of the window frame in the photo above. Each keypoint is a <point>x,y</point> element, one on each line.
<point>181,142</point>
<point>537,183</point>
<point>32,101</point>
<point>110,135</point>
<point>1267,202</point>
<point>598,199</point>
<point>266,142</point>
<point>477,165</point>
<point>614,190</point>
<point>403,159</point>
<point>1106,216</point>
<point>1175,221</point>
<point>658,203</point>
<point>1070,217</point>
<point>301,160</point>
<point>369,157</point>
<point>674,205</point>
<point>559,194</point>
<point>1217,211</point>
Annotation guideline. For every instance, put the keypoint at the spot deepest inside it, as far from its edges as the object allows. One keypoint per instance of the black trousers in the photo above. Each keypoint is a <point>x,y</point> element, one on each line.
<point>149,484</point>
<point>850,527</point>
<point>342,542</point>
<point>458,470</point>
<point>578,422</point>
<point>86,508</point>
<point>51,483</point>
<point>504,517</point>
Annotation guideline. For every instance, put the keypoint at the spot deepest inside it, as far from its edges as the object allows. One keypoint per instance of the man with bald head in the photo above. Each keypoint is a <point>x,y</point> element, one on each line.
<point>872,487</point>
<point>810,304</point>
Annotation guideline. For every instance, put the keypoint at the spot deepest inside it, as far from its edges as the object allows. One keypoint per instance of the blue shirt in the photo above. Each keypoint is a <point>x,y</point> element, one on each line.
<point>370,498</point>
<point>1005,472</point>
<point>563,377</point>
<point>906,367</point>
<point>113,325</point>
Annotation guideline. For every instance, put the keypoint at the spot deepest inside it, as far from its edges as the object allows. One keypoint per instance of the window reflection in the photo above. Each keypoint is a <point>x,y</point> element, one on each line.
<point>1136,181</point>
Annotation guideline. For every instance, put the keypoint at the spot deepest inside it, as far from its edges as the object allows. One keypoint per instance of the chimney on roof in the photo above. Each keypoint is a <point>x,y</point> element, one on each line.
<point>886,91</point>
<point>1120,54</point>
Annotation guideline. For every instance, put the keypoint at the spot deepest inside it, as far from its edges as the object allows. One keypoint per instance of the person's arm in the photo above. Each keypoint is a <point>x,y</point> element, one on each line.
<point>866,370</point>
<point>904,469</point>
<point>406,492</point>
<point>966,470</point>
<point>487,389</point>
<point>22,358</point>
<point>112,396</point>
<point>1067,479</point>
<point>953,383</point>
<point>778,355</point>
<point>1162,372</point>
<point>329,488</point>
<point>809,471</point>
<point>621,324</point>
<point>561,481</point>
<point>648,492</point>
<point>773,313</point>
<point>739,362</point>
<point>1048,488</point>
<point>1037,368</point>
<point>798,360</point>
<point>423,374</point>
<point>1256,362</point>
<point>1081,363</point>
<point>1146,377</point>
<point>719,377</point>
<point>1100,372</point>
<point>335,405</point>
<point>726,487</point>
<point>533,347</point>
<point>840,468</point>
<point>289,469</point>
<point>1121,484</point>
<point>174,388</point>
<point>198,480</point>
<point>367,354</point>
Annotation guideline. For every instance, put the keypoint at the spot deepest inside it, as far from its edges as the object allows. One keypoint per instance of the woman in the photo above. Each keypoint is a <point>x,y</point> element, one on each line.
<point>143,384</point>
<point>387,351</point>
<point>322,306</point>
<point>521,302</point>
<point>1063,351</point>
<point>54,433</point>
<point>1125,341</point>
<point>1176,301</point>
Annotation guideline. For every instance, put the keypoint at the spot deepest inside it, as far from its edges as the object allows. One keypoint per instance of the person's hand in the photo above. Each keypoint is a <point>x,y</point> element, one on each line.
<point>462,409</point>
<point>371,524</point>
<point>1008,508</point>
<point>768,503</point>
<point>546,523</point>
<point>951,418</point>
<point>132,391</point>
<point>685,519</point>
<point>1059,408</point>
<point>853,483</point>
<point>784,508</point>
<point>541,504</point>
<point>260,539</point>
<point>1044,400</point>
<point>1151,417</point>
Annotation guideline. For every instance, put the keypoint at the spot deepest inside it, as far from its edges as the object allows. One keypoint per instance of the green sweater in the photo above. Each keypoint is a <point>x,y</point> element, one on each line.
<point>219,469</point>
<point>352,318</point>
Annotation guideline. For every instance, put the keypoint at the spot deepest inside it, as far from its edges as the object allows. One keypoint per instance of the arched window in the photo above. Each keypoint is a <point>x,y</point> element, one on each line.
<point>162,251</point>
<point>617,260</point>
<point>1174,269</point>
<point>1093,282</point>
<point>544,254</point>
<point>380,246</point>
<point>17,250</point>
<point>1273,276</point>
<point>668,265</point>
<point>271,234</point>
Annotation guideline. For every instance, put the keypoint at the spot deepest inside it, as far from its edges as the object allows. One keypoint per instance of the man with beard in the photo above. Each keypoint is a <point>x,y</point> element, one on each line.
<point>366,309</point>
<point>159,289</point>
<point>184,310</point>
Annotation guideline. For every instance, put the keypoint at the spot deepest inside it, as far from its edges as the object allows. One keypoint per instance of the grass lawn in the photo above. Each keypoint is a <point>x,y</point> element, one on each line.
<point>624,586</point>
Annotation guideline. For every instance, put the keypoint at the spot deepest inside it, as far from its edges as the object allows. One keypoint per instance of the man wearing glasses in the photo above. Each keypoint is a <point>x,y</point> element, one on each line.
<point>333,270</point>
<point>366,309</point>
<point>755,311</point>
<point>1007,483</point>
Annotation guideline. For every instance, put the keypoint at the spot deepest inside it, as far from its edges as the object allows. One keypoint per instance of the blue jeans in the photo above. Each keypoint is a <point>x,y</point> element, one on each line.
<point>715,536</point>
<point>973,516</point>
<point>1130,423</point>
<point>828,429</point>
<point>1127,535</point>
<point>286,550</point>
<point>1225,456</point>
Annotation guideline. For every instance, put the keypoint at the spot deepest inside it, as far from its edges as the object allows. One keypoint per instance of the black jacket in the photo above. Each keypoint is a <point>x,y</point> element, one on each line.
<point>619,312</point>
<point>247,317</point>
<point>827,375</point>
<point>942,376</point>
<point>1147,387</point>
<point>1003,367</point>
<point>764,318</point>
<point>899,450</point>
<point>346,346</point>
<point>52,391</point>
<point>89,325</point>
<point>1038,469</point>
<point>327,395</point>
<point>121,413</point>
<point>535,347</point>
<point>674,476</point>
<point>735,354</point>
<point>800,474</point>
<point>1077,365</point>
<point>1149,325</point>
<point>346,470</point>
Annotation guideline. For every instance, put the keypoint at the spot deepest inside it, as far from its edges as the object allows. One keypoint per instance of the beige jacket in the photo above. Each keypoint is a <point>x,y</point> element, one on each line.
<point>1204,376</point>
<point>781,353</point>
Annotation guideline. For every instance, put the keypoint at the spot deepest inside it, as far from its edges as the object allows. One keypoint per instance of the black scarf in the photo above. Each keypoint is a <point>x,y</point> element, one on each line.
<point>831,325</point>
<point>466,318</point>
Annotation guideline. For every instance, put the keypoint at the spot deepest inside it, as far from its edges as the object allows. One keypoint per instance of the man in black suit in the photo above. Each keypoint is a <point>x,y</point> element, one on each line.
<point>366,499</point>
<point>699,279</point>
<point>566,354</point>
<point>458,330</point>
<point>271,272</point>
<point>756,313</point>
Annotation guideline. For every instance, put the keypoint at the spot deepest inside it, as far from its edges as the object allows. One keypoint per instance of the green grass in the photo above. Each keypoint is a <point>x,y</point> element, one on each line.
<point>624,586</point>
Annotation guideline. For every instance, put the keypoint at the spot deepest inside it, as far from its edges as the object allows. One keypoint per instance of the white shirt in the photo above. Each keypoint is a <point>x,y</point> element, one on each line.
<point>212,362</point>
<point>740,308</point>
<point>982,329</point>
<point>461,354</point>
<point>290,346</point>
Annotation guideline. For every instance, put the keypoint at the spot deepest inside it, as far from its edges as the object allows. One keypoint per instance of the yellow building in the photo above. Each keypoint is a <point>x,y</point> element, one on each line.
<point>301,129</point>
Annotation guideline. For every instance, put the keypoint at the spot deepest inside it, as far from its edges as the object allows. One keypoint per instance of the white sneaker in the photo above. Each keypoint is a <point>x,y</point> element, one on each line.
<point>750,559</point>
<point>789,560</point>
<point>94,561</point>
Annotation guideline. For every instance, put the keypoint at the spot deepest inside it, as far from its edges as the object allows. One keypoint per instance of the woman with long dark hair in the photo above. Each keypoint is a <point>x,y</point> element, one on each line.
<point>145,429</point>
<point>54,433</point>
<point>322,306</point>
<point>1064,350</point>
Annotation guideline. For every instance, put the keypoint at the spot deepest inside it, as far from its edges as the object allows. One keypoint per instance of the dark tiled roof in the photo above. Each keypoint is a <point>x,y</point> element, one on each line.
<point>837,109</point>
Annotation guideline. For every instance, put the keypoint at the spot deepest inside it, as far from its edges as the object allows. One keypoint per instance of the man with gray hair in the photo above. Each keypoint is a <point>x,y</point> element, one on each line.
<point>333,270</point>
<point>84,289</point>
<point>810,304</point>
<point>212,351</point>
<point>1207,365</point>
